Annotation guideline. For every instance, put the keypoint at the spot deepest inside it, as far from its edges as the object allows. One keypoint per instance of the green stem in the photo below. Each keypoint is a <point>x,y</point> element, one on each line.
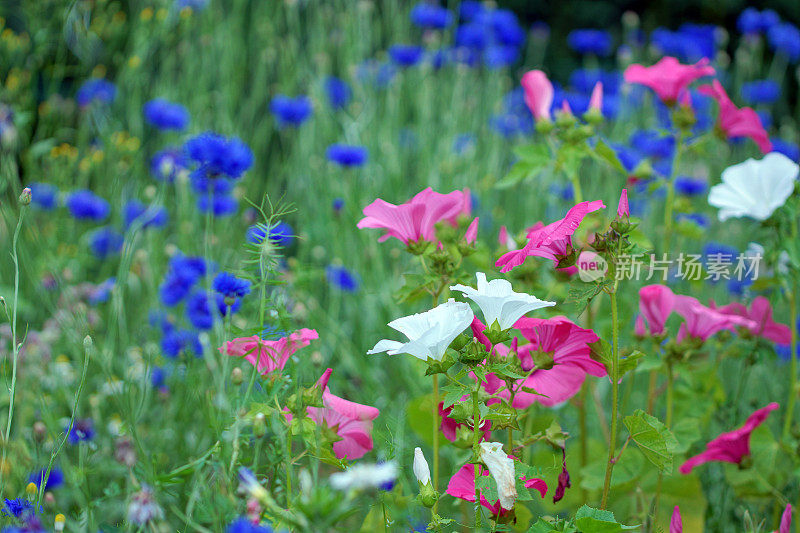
<point>288,465</point>
<point>787,423</point>
<point>614,398</point>
<point>14,347</point>
<point>576,188</point>
<point>670,201</point>
<point>476,440</point>
<point>435,435</point>
<point>670,394</point>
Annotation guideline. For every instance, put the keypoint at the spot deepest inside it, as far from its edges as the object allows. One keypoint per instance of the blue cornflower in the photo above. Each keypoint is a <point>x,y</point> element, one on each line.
<point>44,196</point>
<point>426,15</point>
<point>181,276</point>
<point>17,507</point>
<point>166,115</point>
<point>790,150</point>
<point>198,311</point>
<point>105,241</point>
<point>653,144</point>
<point>505,27</point>
<point>717,250</point>
<point>166,164</point>
<point>243,525</point>
<point>597,42</point>
<point>220,205</point>
<point>502,56</point>
<point>405,55</point>
<point>82,430</point>
<point>784,38</point>
<point>698,218</point>
<point>96,90</point>
<point>761,92</point>
<point>472,35</point>
<point>281,234</point>
<point>217,155</point>
<point>751,21</point>
<point>347,155</point>
<point>338,91</point>
<point>689,186</point>
<point>85,205</point>
<point>341,278</point>
<point>291,111</point>
<point>470,9</point>
<point>463,143</point>
<point>148,216</point>
<point>229,286</point>
<point>691,42</point>
<point>54,480</point>
<point>338,204</point>
<point>157,377</point>
<point>101,293</point>
<point>176,341</point>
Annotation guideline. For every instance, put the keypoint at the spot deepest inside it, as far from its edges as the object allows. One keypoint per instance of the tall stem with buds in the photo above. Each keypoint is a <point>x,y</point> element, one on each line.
<point>476,442</point>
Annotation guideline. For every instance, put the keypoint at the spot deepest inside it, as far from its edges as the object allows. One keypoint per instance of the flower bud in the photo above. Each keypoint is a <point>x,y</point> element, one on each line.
<point>59,523</point>
<point>237,376</point>
<point>31,489</point>
<point>39,431</point>
<point>421,470</point>
<point>259,425</point>
<point>25,197</point>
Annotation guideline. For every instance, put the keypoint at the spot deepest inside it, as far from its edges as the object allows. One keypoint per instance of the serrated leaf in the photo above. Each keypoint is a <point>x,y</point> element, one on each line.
<point>653,438</point>
<point>626,364</point>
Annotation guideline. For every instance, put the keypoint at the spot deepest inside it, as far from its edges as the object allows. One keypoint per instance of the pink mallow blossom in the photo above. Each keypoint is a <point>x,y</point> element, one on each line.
<point>416,219</point>
<point>555,342</point>
<point>450,427</point>
<point>701,322</point>
<point>622,208</point>
<point>760,312</point>
<point>538,93</point>
<point>733,446</point>
<point>676,524</point>
<point>553,241</point>
<point>462,485</point>
<point>351,421</point>
<point>656,303</point>
<point>668,78</point>
<point>269,356</point>
<point>786,520</point>
<point>596,100</point>
<point>737,122</point>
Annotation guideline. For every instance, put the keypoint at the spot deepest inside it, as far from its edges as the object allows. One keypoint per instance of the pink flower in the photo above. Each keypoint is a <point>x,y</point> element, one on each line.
<point>760,312</point>
<point>351,421</point>
<point>268,356</point>
<point>450,427</point>
<point>596,100</point>
<point>472,232</point>
<point>668,78</point>
<point>538,93</point>
<point>786,520</point>
<point>736,122</point>
<point>556,342</point>
<point>676,524</point>
<point>552,241</point>
<point>415,219</point>
<point>622,207</point>
<point>656,303</point>
<point>702,322</point>
<point>462,485</point>
<point>733,446</point>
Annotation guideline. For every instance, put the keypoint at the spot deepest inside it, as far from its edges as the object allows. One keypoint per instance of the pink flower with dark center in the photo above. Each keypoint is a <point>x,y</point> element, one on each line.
<point>538,93</point>
<point>416,219</point>
<point>462,485</point>
<point>733,446</point>
<point>702,322</point>
<point>559,352</point>
<point>668,78</point>
<point>760,312</point>
<point>553,241</point>
<point>351,421</point>
<point>676,524</point>
<point>737,122</point>
<point>268,356</point>
<point>656,303</point>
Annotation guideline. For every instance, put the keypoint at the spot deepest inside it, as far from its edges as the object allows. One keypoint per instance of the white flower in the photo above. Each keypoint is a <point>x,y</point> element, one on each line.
<point>364,476</point>
<point>754,188</point>
<point>421,470</point>
<point>499,302</point>
<point>429,333</point>
<point>501,466</point>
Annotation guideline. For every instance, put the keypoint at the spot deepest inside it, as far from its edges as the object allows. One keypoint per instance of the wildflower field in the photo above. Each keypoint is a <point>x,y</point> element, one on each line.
<point>374,265</point>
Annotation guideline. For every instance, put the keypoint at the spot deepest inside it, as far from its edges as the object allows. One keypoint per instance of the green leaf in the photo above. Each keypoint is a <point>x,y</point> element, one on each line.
<point>502,416</point>
<point>605,153</point>
<point>533,158</point>
<point>591,520</point>
<point>453,393</point>
<point>656,442</point>
<point>488,488</point>
<point>419,413</point>
<point>626,364</point>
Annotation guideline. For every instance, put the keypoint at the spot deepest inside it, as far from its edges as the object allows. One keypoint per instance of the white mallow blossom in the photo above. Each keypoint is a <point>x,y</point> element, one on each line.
<point>498,301</point>
<point>755,188</point>
<point>429,333</point>
<point>501,467</point>
<point>364,476</point>
<point>421,470</point>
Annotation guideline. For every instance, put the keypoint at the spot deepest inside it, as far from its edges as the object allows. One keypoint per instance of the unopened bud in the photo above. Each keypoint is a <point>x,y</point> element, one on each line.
<point>237,376</point>
<point>25,197</point>
<point>31,489</point>
<point>39,431</point>
<point>259,425</point>
<point>87,342</point>
<point>59,522</point>
<point>421,470</point>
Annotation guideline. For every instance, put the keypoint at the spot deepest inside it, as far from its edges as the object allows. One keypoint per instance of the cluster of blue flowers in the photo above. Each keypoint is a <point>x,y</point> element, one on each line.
<point>165,115</point>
